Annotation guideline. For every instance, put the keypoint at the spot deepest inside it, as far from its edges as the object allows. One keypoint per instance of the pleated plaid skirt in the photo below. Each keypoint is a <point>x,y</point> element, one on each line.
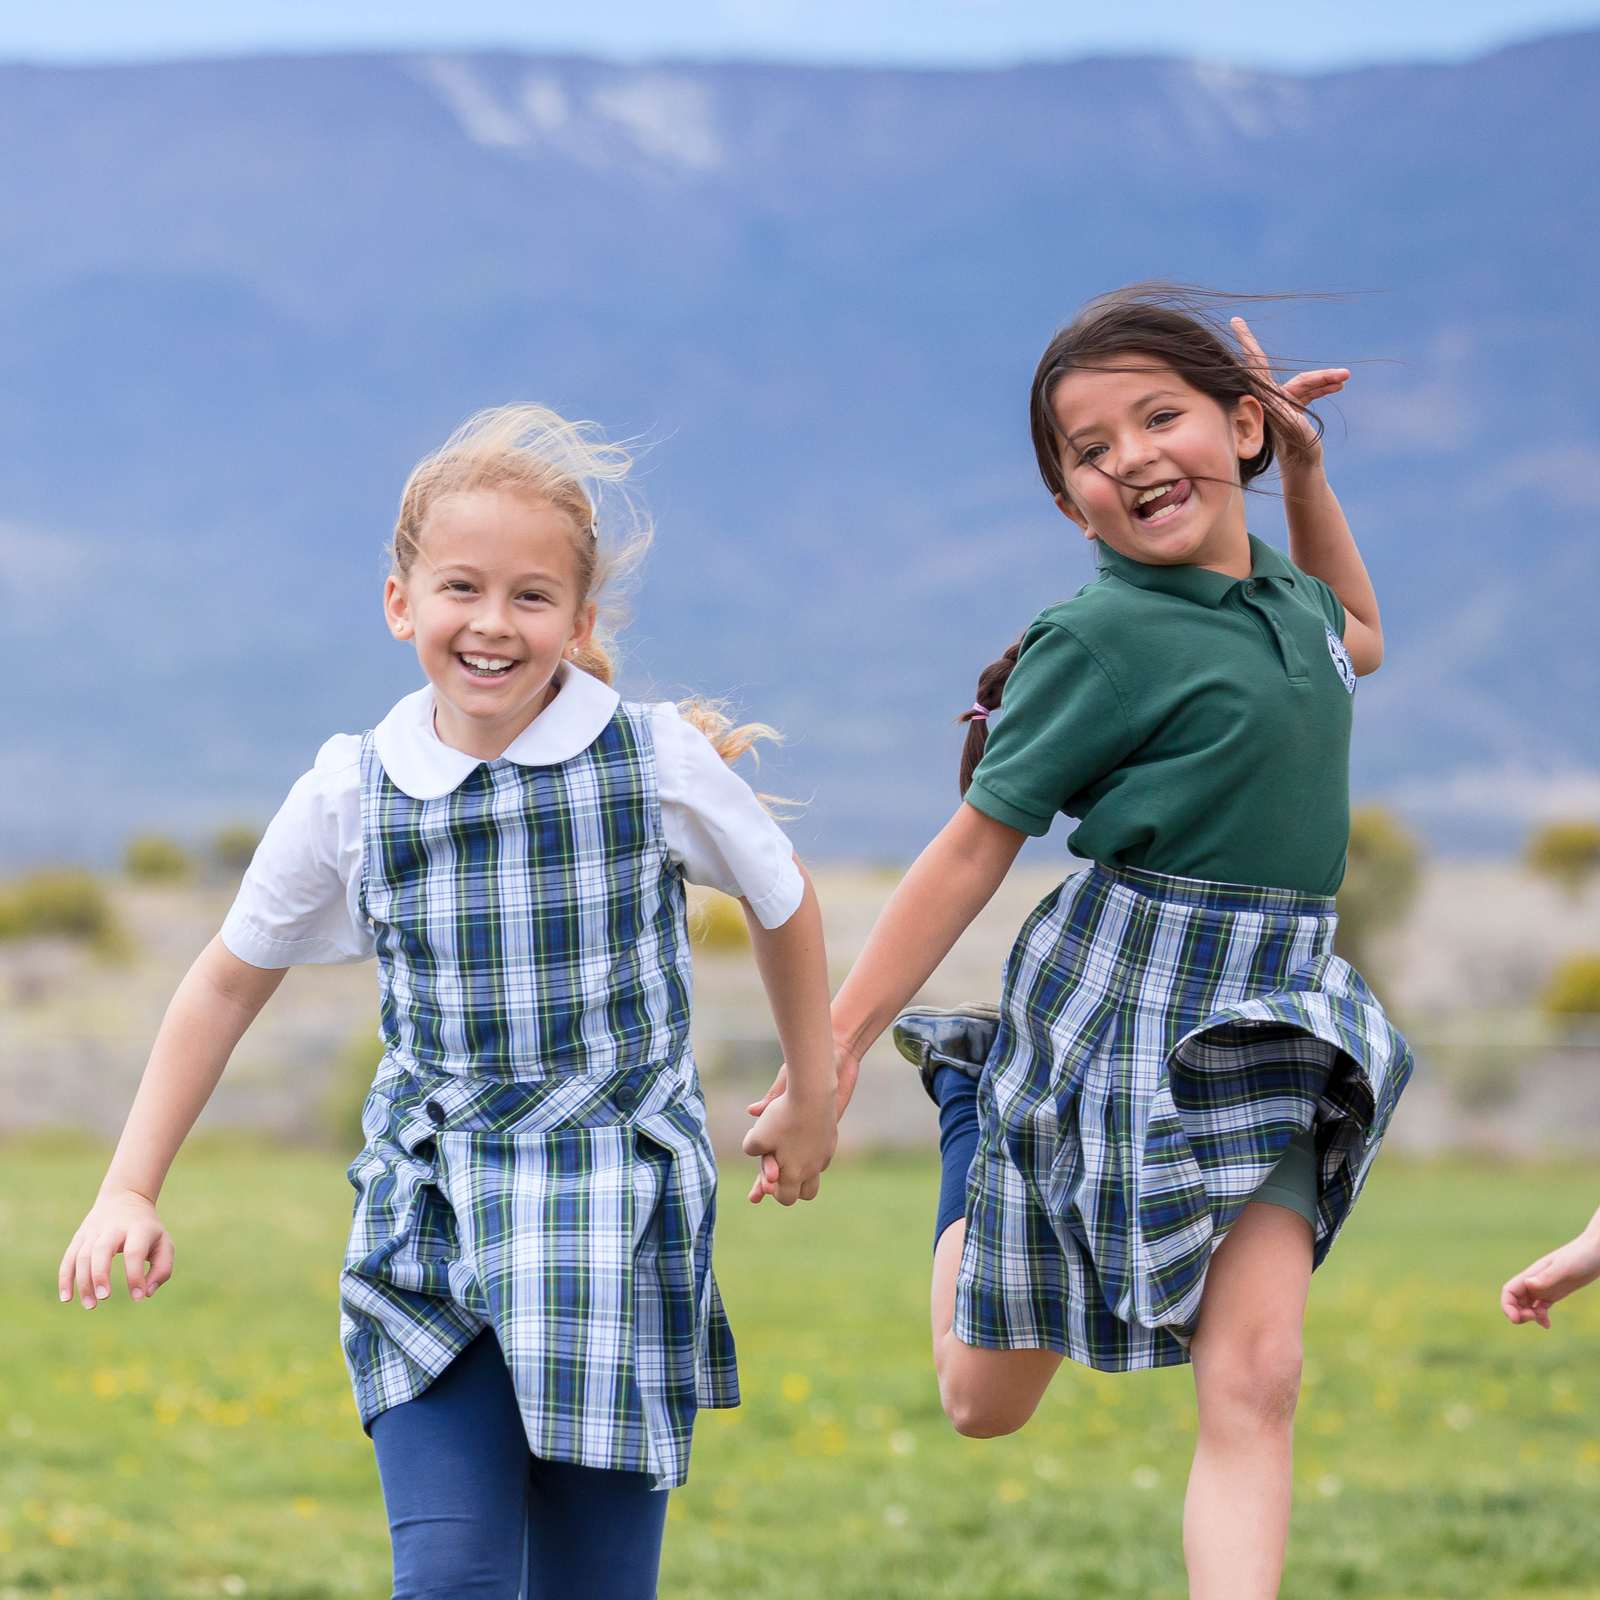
<point>572,1215</point>
<point>1161,1040</point>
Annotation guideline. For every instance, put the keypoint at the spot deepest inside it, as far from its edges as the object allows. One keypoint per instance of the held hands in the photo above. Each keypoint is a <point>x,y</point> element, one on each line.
<point>1302,389</point>
<point>794,1141</point>
<point>1529,1296</point>
<point>846,1067</point>
<point>120,1222</point>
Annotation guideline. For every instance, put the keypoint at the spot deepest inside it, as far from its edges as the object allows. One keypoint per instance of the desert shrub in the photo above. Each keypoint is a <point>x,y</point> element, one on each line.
<point>1574,988</point>
<point>233,846</point>
<point>716,922</point>
<point>1567,852</point>
<point>63,903</point>
<point>153,858</point>
<point>1380,884</point>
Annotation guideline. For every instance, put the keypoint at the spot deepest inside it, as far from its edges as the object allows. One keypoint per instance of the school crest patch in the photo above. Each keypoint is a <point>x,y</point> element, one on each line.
<point>1341,660</point>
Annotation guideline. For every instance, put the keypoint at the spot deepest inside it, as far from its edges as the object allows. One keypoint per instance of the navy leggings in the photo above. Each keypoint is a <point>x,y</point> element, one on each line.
<point>475,1516</point>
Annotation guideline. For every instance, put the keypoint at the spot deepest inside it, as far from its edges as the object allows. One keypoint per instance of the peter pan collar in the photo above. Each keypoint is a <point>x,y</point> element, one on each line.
<point>424,767</point>
<point>1199,584</point>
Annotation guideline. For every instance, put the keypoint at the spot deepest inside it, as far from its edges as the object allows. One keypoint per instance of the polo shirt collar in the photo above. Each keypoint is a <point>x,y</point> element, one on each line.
<point>1199,584</point>
<point>421,765</point>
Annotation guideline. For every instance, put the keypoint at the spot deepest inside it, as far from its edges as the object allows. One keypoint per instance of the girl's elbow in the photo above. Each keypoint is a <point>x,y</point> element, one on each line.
<point>1364,641</point>
<point>983,842</point>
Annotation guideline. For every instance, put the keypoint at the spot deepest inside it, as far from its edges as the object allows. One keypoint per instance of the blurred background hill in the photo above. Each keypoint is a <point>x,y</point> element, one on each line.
<point>239,298</point>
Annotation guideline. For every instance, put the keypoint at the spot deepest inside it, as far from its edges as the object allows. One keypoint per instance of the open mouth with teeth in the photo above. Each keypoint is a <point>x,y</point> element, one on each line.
<point>1162,501</point>
<point>486,666</point>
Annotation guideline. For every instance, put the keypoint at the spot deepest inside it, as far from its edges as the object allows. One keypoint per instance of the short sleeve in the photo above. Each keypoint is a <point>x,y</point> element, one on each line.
<point>717,832</point>
<point>1331,605</point>
<point>1062,725</point>
<point>300,901</point>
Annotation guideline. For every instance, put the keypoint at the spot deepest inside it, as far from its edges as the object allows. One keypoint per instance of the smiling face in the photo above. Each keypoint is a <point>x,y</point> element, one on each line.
<point>493,603</point>
<point>1152,464</point>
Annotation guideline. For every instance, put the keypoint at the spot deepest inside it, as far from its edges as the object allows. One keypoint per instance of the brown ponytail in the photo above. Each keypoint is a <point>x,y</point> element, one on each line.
<point>991,682</point>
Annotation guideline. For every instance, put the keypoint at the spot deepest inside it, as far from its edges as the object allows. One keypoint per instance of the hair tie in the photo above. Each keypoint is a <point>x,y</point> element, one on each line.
<point>978,713</point>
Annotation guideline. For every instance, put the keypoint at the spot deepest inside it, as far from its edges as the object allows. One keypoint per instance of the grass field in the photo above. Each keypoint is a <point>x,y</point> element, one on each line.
<point>205,1443</point>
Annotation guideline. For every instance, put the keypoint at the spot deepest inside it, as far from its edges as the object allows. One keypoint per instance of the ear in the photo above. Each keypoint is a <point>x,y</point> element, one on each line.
<point>1249,427</point>
<point>1074,515</point>
<point>397,608</point>
<point>582,630</point>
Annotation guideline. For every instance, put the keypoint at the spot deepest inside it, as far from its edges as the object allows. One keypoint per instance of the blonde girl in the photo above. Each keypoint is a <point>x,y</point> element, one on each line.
<point>528,1310</point>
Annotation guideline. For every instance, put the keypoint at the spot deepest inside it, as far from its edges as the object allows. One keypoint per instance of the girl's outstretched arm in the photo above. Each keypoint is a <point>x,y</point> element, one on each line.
<point>1320,541</point>
<point>946,887</point>
<point>218,999</point>
<point>1529,1296</point>
<point>797,1130</point>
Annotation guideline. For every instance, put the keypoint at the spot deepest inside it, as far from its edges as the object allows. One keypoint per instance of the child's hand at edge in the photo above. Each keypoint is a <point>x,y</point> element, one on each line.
<point>1529,1296</point>
<point>794,1141</point>
<point>120,1222</point>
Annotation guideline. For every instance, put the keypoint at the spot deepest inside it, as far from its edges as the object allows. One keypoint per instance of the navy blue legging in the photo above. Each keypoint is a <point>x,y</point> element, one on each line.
<point>474,1515</point>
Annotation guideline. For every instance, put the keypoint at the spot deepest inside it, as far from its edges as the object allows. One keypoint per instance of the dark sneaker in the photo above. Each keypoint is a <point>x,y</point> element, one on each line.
<point>930,1037</point>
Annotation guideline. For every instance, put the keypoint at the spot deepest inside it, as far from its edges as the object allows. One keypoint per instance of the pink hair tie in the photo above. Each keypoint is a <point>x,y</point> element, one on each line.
<point>978,713</point>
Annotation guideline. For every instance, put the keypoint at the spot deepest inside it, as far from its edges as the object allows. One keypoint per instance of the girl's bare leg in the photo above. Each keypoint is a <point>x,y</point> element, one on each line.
<point>1246,1353</point>
<point>984,1393</point>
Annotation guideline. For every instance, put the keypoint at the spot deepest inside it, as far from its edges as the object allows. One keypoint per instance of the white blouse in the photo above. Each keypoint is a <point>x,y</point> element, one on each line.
<point>300,902</point>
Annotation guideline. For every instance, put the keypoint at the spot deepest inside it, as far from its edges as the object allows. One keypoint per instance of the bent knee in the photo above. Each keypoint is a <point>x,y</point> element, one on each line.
<point>983,1419</point>
<point>978,1411</point>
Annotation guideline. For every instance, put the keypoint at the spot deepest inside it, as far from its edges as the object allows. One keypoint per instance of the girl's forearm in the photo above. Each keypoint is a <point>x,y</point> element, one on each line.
<point>947,886</point>
<point>793,962</point>
<point>1321,543</point>
<point>218,999</point>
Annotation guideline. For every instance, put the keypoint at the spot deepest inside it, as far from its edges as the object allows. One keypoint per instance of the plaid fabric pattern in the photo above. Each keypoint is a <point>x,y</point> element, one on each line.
<point>565,1195</point>
<point>1160,1041</point>
<point>528,921</point>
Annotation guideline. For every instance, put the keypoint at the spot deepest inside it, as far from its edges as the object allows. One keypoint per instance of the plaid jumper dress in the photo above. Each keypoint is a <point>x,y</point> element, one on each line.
<point>536,1159</point>
<point>1160,1041</point>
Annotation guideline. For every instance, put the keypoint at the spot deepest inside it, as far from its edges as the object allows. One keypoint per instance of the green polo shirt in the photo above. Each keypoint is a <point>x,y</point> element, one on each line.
<point>1194,724</point>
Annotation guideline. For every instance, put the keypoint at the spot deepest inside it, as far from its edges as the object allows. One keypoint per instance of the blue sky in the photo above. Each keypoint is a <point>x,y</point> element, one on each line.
<point>1273,33</point>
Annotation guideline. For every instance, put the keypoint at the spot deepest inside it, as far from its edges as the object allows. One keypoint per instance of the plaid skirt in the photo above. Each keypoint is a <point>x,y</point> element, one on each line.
<point>573,1215</point>
<point>1160,1042</point>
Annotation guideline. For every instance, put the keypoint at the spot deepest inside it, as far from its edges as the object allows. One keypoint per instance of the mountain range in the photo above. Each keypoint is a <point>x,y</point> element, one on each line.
<point>239,298</point>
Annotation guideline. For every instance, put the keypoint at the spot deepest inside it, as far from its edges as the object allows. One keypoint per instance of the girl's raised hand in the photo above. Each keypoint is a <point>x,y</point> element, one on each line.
<point>1302,389</point>
<point>123,1223</point>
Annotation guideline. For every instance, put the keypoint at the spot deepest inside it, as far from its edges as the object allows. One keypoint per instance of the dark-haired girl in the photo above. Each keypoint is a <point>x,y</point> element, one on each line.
<point>1161,1132</point>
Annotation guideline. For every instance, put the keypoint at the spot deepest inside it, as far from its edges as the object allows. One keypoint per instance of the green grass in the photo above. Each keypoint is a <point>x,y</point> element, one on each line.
<point>205,1443</point>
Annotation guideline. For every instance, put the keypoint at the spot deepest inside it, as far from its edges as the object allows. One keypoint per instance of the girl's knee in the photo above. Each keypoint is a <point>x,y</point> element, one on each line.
<point>978,1406</point>
<point>1254,1378</point>
<point>451,1559</point>
<point>977,1416</point>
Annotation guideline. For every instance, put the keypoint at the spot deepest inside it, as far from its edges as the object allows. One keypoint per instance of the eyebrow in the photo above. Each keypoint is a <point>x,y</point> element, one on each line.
<point>467,570</point>
<point>1137,405</point>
